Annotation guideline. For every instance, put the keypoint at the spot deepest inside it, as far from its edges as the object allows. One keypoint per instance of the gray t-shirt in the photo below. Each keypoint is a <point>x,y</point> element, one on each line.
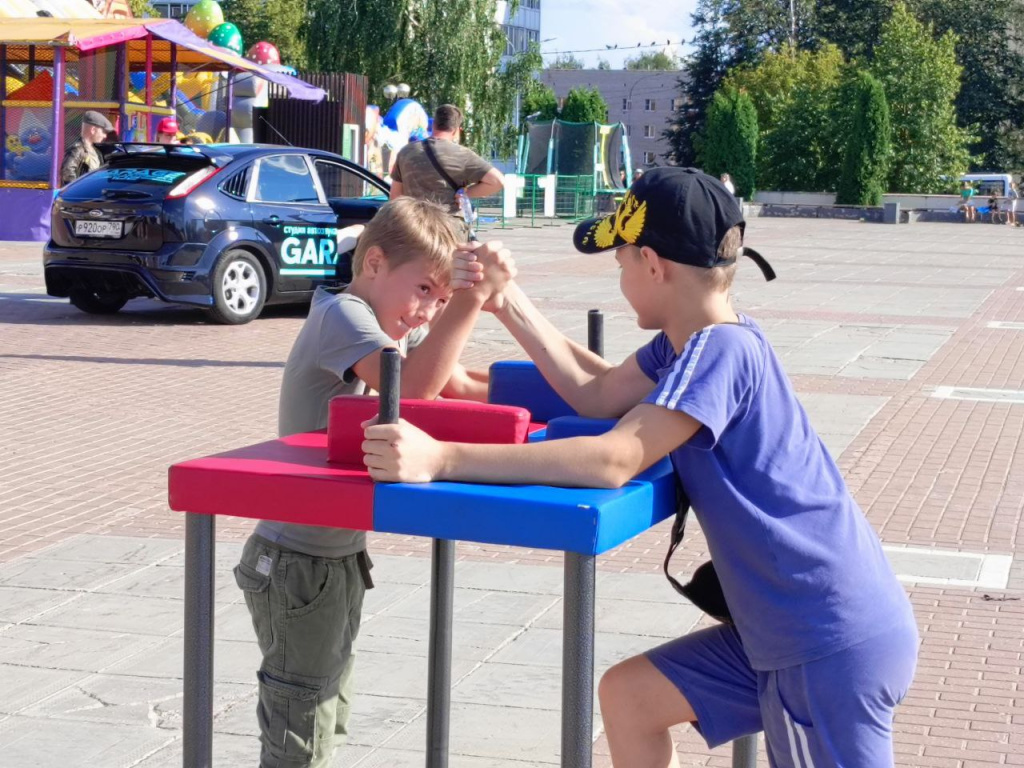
<point>340,330</point>
<point>420,178</point>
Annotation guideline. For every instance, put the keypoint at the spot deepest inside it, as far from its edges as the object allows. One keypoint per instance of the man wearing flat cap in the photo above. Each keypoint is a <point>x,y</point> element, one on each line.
<point>82,157</point>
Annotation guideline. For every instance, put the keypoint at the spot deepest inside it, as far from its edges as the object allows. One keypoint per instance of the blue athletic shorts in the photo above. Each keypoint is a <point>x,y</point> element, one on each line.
<point>835,711</point>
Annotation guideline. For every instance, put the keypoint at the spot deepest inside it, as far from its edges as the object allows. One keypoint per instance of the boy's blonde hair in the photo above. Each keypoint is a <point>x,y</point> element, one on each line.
<point>720,278</point>
<point>407,229</point>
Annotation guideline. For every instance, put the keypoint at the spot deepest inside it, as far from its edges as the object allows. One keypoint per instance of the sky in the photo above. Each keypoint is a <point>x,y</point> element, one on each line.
<point>579,25</point>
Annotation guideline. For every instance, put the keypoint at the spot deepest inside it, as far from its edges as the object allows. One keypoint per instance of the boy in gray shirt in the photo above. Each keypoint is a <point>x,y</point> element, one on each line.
<point>304,585</point>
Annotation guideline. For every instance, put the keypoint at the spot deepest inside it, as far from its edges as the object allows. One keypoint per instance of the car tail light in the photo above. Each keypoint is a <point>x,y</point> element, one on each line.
<point>193,181</point>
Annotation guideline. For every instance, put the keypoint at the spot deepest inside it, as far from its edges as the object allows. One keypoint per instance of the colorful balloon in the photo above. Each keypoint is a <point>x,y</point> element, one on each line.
<point>228,36</point>
<point>205,16</point>
<point>264,53</point>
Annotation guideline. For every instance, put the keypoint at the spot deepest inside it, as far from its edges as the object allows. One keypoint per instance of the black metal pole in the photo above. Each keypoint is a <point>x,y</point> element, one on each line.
<point>744,752</point>
<point>390,385</point>
<point>578,661</point>
<point>578,629</point>
<point>442,593</point>
<point>197,717</point>
<point>595,331</point>
<point>439,676</point>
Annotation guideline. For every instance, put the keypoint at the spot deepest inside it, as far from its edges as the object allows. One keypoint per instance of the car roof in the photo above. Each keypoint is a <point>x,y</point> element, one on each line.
<point>221,154</point>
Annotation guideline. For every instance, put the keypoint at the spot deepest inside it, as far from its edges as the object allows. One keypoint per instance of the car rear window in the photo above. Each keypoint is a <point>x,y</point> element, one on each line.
<point>141,174</point>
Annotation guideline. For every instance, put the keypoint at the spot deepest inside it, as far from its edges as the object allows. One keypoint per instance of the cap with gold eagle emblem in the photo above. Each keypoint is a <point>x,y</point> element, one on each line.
<point>681,213</point>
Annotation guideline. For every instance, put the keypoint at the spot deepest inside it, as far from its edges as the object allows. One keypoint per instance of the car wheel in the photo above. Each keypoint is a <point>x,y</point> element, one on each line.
<point>97,302</point>
<point>239,288</point>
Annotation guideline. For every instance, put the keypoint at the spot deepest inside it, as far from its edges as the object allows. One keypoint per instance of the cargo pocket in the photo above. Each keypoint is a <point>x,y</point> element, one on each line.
<point>287,712</point>
<point>255,586</point>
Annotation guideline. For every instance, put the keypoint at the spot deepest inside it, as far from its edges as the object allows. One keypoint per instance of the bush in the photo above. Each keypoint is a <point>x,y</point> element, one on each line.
<point>728,143</point>
<point>868,144</point>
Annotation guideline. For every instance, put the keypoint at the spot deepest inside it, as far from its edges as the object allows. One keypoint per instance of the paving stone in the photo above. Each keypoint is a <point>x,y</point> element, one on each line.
<point>167,582</point>
<point>472,605</point>
<point>71,648</point>
<point>126,700</point>
<point>400,676</point>
<point>27,741</point>
<point>24,686</point>
<point>112,549</point>
<point>406,636</point>
<point>61,574</point>
<point>21,603</point>
<point>234,661</point>
<point>118,613</point>
<point>532,736</point>
<point>634,617</point>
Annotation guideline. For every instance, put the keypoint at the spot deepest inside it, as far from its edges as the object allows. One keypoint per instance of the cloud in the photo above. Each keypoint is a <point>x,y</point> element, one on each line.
<point>584,24</point>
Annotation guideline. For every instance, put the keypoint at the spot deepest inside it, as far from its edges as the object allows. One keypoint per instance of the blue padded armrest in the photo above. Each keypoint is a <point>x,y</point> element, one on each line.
<point>515,382</point>
<point>577,426</point>
<point>584,520</point>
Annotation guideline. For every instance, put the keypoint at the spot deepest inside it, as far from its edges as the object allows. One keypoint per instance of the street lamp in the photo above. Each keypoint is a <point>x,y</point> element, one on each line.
<point>400,91</point>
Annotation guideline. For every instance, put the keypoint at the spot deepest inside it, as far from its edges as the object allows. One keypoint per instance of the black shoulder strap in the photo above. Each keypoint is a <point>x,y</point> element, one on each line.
<point>704,589</point>
<point>678,528</point>
<point>432,157</point>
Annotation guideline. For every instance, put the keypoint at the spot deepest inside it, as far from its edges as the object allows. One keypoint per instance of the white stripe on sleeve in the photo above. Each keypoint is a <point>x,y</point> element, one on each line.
<point>680,377</point>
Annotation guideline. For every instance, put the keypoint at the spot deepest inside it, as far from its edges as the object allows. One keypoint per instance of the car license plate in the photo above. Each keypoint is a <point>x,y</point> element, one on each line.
<point>99,228</point>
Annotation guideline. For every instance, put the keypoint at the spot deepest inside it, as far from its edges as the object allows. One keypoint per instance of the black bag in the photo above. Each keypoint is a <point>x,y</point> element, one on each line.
<point>704,589</point>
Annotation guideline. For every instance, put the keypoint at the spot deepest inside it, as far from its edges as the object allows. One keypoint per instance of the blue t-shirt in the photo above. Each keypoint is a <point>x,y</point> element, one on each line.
<point>802,570</point>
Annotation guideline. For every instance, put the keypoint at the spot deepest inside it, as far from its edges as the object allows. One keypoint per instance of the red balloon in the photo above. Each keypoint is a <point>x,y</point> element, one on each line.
<point>264,53</point>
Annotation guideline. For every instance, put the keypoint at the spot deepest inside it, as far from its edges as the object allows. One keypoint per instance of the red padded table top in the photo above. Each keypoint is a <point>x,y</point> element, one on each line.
<point>288,480</point>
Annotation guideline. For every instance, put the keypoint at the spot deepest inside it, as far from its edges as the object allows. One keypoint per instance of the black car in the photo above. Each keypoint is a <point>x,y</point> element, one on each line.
<point>225,227</point>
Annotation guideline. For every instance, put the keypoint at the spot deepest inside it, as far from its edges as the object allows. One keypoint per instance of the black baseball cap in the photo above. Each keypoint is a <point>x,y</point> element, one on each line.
<point>682,213</point>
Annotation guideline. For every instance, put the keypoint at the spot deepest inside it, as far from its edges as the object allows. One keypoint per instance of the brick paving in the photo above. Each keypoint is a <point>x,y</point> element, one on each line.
<point>93,410</point>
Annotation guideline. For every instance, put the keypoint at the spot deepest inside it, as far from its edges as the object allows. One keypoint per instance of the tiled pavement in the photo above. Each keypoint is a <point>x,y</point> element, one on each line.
<point>870,320</point>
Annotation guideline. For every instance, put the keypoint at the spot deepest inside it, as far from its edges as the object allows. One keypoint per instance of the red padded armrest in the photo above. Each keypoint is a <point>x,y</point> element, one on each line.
<point>456,421</point>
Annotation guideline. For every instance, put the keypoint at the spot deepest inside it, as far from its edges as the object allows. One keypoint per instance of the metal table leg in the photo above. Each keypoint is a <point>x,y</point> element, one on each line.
<point>578,661</point>
<point>744,752</point>
<point>197,718</point>
<point>439,674</point>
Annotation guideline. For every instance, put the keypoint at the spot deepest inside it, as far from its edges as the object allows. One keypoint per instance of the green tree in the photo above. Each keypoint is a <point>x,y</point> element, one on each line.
<point>566,61</point>
<point>795,93</point>
<point>728,143</point>
<point>853,25</point>
<point>585,105</point>
<point>142,9</point>
<point>448,51</point>
<point>921,78</point>
<point>603,64</point>
<point>868,143</point>
<point>702,75</point>
<point>656,60</point>
<point>281,22</point>
<point>990,48</point>
<point>539,102</point>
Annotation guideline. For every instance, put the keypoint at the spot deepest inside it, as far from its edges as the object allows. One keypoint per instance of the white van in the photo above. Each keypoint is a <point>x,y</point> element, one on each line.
<point>989,184</point>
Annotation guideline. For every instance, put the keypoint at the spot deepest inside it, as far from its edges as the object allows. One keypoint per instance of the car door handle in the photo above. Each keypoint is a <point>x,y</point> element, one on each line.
<point>274,221</point>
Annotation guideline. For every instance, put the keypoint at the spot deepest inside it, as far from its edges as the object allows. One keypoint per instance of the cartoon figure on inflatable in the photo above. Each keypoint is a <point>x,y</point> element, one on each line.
<point>405,122</point>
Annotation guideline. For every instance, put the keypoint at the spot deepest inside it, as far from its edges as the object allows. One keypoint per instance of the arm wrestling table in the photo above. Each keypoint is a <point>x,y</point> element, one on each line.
<point>292,480</point>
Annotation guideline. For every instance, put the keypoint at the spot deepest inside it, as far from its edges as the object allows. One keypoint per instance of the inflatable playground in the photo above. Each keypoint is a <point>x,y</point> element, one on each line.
<point>135,71</point>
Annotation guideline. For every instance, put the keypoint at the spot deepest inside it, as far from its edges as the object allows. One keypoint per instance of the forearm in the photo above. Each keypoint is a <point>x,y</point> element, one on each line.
<point>579,462</point>
<point>428,367</point>
<point>466,385</point>
<point>571,369</point>
<point>483,189</point>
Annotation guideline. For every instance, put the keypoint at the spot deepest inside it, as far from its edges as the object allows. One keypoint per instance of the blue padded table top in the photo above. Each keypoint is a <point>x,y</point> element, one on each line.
<point>587,521</point>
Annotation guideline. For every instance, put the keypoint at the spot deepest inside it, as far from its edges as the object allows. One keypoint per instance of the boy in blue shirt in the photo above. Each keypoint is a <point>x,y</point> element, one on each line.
<point>824,644</point>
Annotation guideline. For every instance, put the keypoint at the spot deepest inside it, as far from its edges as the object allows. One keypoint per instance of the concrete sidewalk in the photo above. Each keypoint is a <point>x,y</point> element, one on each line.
<point>905,343</point>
